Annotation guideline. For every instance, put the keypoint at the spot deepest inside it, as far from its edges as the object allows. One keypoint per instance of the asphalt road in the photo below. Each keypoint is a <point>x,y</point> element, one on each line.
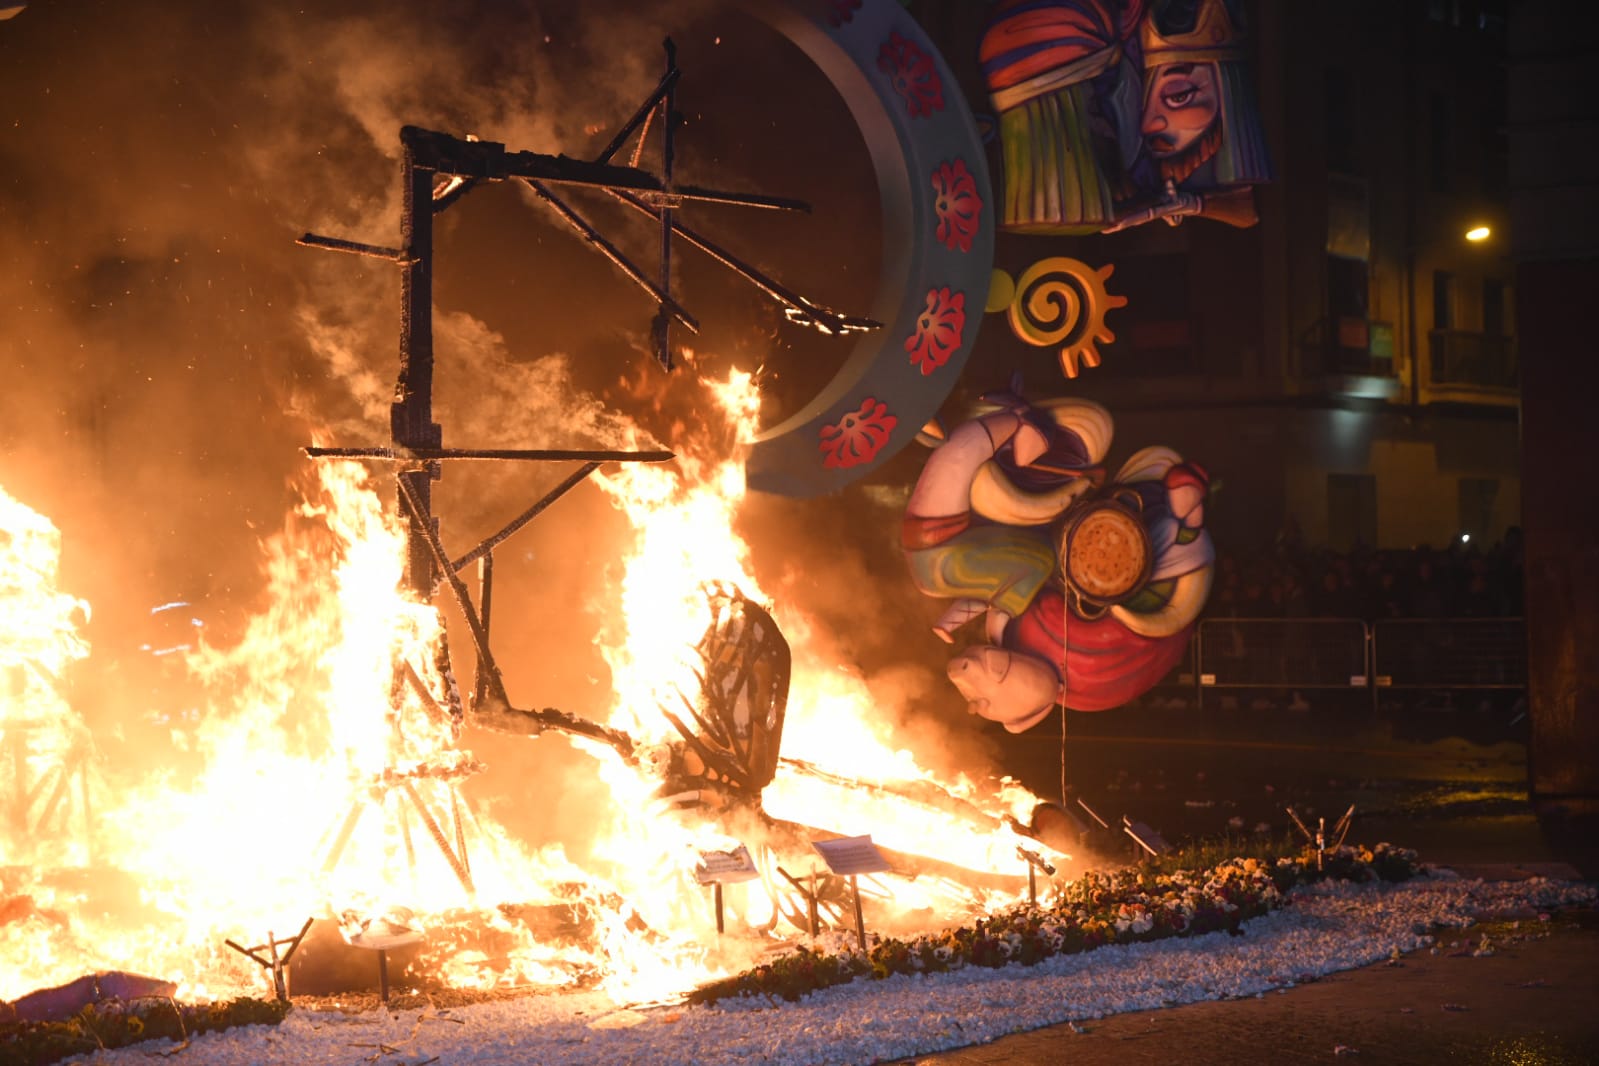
<point>1450,783</point>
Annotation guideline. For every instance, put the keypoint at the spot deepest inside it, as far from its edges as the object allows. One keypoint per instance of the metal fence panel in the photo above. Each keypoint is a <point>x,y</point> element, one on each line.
<point>1450,653</point>
<point>1282,653</point>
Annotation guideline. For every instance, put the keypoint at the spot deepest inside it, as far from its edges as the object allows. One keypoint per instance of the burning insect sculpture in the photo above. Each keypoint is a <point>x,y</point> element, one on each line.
<point>731,751</point>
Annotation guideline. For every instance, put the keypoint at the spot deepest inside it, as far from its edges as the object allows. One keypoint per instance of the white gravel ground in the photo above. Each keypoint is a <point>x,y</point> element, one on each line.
<point>1324,930</point>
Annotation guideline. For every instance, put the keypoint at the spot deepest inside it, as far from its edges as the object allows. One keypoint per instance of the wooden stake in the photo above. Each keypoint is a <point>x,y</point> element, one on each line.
<point>860,925</point>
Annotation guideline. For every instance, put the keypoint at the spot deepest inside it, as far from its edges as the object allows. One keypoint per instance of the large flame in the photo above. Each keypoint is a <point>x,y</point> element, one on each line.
<point>328,764</point>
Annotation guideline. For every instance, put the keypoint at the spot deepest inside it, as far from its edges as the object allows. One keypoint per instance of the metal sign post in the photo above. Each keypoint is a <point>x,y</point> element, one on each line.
<point>1035,862</point>
<point>851,856</point>
<point>718,868</point>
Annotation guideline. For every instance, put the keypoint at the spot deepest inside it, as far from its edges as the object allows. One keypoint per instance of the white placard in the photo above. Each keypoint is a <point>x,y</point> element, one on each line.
<point>726,867</point>
<point>851,855</point>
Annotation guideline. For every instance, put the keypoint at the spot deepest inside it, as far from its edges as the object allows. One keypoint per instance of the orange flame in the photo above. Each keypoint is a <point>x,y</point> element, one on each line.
<point>329,768</point>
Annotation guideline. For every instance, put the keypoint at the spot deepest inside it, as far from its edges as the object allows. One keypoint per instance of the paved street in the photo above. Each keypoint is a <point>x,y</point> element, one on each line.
<point>1452,785</point>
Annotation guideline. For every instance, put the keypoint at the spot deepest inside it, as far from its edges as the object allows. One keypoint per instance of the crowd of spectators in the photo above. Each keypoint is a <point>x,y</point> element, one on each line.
<point>1292,581</point>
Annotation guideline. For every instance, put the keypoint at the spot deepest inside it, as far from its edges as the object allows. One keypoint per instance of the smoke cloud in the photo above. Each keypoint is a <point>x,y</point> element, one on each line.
<point>168,349</point>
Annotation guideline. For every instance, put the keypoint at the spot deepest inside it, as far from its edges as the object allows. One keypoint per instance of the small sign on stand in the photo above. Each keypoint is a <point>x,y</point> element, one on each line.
<point>851,856</point>
<point>1035,862</point>
<point>718,868</point>
<point>381,934</point>
<point>1145,837</point>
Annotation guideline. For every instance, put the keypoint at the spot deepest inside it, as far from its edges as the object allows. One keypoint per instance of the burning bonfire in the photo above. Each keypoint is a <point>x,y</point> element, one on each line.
<point>324,841</point>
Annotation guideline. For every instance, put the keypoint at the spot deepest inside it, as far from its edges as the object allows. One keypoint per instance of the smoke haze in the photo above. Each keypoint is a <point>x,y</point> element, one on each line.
<point>168,349</point>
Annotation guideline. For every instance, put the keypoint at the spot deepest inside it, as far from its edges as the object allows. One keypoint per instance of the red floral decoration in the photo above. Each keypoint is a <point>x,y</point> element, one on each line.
<point>841,11</point>
<point>859,435</point>
<point>913,74</point>
<point>938,330</point>
<point>957,205</point>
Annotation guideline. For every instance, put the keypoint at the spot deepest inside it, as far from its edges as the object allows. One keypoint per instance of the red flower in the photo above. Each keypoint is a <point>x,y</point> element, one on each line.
<point>957,205</point>
<point>938,330</point>
<point>913,75</point>
<point>859,435</point>
<point>841,11</point>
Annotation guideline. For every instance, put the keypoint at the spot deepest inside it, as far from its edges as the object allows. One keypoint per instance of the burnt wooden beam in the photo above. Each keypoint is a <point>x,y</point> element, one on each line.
<point>487,667</point>
<point>800,310</point>
<point>489,161</point>
<point>667,82</point>
<point>411,422</point>
<point>450,193</point>
<point>662,326</point>
<point>501,717</point>
<point>570,215</point>
<point>339,244</point>
<point>488,545</point>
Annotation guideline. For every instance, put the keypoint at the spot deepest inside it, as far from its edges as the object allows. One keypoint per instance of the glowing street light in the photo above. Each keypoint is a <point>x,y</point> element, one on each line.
<point>1478,233</point>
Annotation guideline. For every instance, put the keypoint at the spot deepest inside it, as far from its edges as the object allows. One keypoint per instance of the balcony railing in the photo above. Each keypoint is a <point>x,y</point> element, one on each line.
<point>1344,346</point>
<point>1479,360</point>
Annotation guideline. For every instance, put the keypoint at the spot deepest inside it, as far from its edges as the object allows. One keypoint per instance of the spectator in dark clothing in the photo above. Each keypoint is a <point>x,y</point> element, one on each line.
<point>1428,594</point>
<point>1423,583</point>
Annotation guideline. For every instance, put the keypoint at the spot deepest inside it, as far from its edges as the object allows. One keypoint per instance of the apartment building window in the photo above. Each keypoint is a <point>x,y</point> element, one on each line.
<point>1341,106</point>
<point>1351,511</point>
<point>1443,300</point>
<point>1493,307</point>
<point>1447,11</point>
<point>1477,498</point>
<point>1438,140</point>
<point>1348,301</point>
<point>1159,335</point>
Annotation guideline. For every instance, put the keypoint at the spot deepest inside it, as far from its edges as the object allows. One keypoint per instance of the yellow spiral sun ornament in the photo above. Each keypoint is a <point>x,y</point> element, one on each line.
<point>1064,301</point>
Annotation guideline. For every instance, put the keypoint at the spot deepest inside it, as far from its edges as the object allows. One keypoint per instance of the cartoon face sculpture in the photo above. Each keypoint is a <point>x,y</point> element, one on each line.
<point>1010,688</point>
<point>1180,107</point>
<point>1118,112</point>
<point>998,537</point>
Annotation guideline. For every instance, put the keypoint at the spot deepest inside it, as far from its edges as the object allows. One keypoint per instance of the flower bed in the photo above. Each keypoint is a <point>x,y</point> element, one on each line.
<point>112,1024</point>
<point>1114,907</point>
<point>1121,906</point>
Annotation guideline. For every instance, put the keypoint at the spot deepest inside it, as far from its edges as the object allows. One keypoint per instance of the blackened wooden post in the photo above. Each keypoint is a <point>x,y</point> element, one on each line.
<point>860,923</point>
<point>485,596</point>
<point>810,901</point>
<point>663,321</point>
<point>411,415</point>
<point>280,987</point>
<point>716,891</point>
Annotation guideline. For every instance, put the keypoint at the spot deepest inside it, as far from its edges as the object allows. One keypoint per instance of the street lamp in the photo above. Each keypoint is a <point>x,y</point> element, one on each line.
<point>1475,235</point>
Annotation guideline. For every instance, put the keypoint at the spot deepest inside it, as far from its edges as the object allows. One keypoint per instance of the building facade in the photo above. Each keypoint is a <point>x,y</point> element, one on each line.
<point>1349,364</point>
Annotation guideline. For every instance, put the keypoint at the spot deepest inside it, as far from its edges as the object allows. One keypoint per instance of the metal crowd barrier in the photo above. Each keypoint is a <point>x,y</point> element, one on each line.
<point>1450,653</point>
<point>1347,653</point>
<point>1292,653</point>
